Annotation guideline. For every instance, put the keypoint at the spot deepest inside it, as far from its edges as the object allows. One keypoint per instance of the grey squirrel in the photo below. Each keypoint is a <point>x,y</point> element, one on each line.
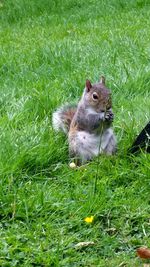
<point>88,125</point>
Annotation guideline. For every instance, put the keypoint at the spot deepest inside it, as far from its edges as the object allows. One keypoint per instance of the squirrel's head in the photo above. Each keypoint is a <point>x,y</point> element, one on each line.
<point>98,95</point>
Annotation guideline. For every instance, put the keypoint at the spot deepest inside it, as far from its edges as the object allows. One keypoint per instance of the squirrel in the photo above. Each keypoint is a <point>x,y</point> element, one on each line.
<point>88,125</point>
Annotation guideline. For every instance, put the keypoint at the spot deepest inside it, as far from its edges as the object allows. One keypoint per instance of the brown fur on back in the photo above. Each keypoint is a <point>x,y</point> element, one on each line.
<point>67,117</point>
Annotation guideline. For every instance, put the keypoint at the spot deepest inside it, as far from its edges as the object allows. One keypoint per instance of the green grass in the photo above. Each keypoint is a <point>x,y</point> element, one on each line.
<point>47,51</point>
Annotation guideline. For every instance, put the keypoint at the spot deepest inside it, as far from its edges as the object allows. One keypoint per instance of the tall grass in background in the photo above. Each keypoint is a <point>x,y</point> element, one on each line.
<point>47,51</point>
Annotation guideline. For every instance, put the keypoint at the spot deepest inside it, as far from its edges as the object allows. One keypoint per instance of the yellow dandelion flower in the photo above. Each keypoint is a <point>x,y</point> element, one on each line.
<point>89,219</point>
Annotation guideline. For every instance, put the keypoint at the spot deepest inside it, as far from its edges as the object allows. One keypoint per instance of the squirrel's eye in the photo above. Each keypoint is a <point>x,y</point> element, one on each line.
<point>95,96</point>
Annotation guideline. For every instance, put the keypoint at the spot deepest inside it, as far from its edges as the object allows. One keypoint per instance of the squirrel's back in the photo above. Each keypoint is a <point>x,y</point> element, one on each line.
<point>62,117</point>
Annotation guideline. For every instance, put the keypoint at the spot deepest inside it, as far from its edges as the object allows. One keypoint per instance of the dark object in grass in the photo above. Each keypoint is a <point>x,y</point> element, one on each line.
<point>142,141</point>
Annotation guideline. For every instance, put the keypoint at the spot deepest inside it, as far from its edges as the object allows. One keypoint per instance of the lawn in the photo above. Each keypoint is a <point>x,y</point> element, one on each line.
<point>47,51</point>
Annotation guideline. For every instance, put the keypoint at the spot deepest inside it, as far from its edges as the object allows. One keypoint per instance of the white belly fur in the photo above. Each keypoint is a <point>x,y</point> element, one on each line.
<point>89,145</point>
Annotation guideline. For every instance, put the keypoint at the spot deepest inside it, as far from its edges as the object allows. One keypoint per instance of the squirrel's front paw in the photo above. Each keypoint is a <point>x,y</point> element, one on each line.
<point>109,116</point>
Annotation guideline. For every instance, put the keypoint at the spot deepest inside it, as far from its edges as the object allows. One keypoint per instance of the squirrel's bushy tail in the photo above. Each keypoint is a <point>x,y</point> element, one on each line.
<point>62,117</point>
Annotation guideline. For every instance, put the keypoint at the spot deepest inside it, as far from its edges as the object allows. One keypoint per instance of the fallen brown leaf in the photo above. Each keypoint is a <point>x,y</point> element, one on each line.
<point>143,253</point>
<point>84,244</point>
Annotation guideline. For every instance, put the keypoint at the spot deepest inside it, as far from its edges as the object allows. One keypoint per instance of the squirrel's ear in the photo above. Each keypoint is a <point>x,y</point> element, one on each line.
<point>88,85</point>
<point>102,80</point>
